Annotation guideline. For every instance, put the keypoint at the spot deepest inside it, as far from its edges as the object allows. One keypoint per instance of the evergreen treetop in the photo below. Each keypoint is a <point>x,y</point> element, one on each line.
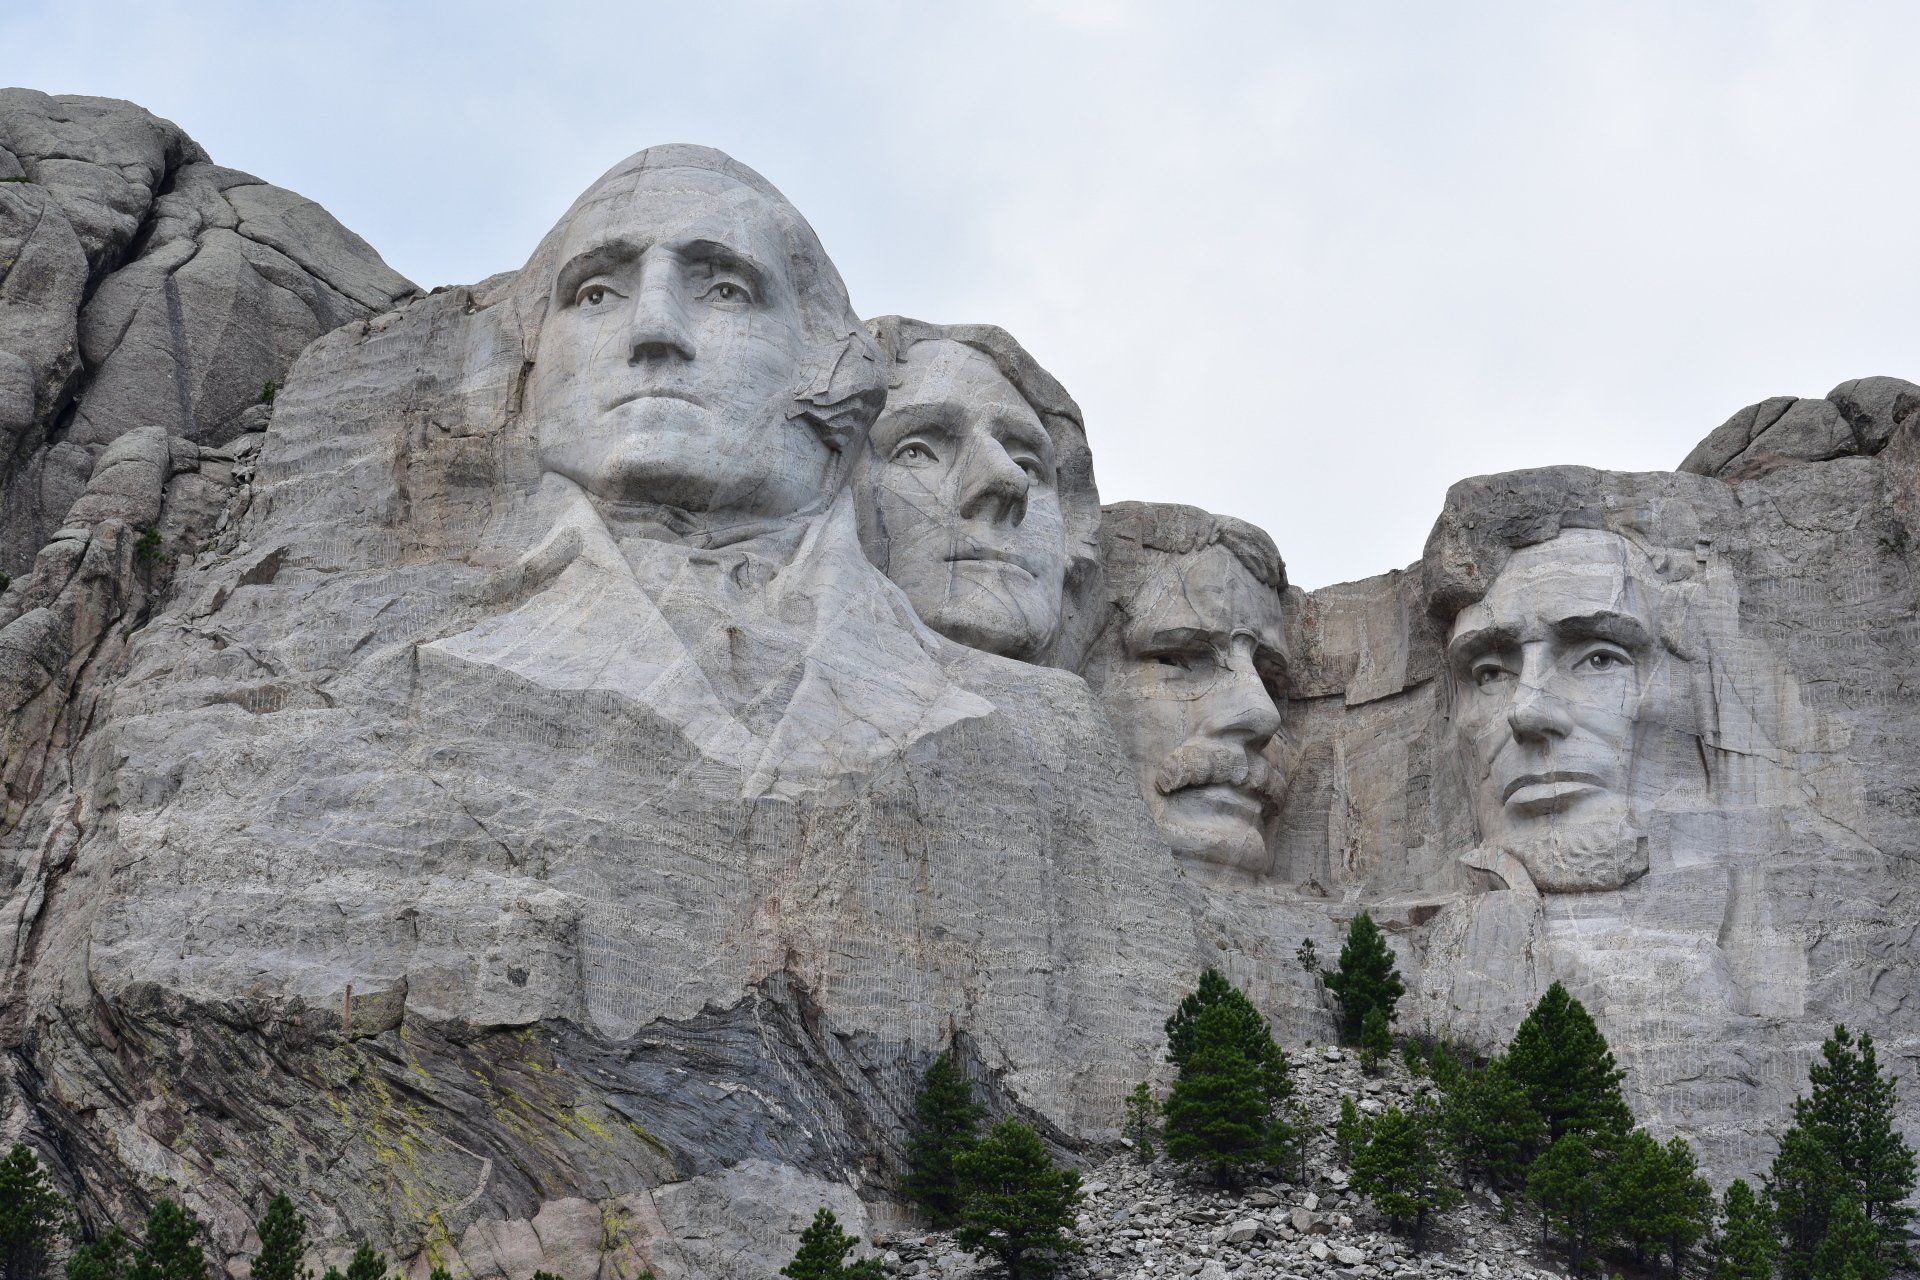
<point>1656,1200</point>
<point>823,1254</point>
<point>367,1263</point>
<point>1223,1112</point>
<point>33,1216</point>
<point>169,1248</point>
<point>1491,1124</point>
<point>1018,1206</point>
<point>1852,1248</point>
<point>1365,978</point>
<point>1396,1164</point>
<point>1746,1248</point>
<point>1563,1064</point>
<point>1569,1183</point>
<point>946,1123</point>
<point>102,1258</point>
<point>283,1242</point>
<point>1255,1036</point>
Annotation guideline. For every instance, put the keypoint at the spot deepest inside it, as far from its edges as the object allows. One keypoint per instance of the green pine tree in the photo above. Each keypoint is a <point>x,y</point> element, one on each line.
<point>1852,1248</point>
<point>1443,1066</point>
<point>441,1273</point>
<point>1346,1130</point>
<point>367,1264</point>
<point>1256,1038</point>
<point>1224,1114</point>
<point>1017,1206</point>
<point>946,1123</point>
<point>823,1254</point>
<point>1656,1200</point>
<point>1746,1248</point>
<point>1396,1164</point>
<point>1376,1042</point>
<point>102,1258</point>
<point>1563,1063</point>
<point>1569,1184</point>
<point>1366,978</point>
<point>1491,1124</point>
<point>169,1248</point>
<point>1143,1121</point>
<point>283,1242</point>
<point>543,1275</point>
<point>1843,1145</point>
<point>33,1216</point>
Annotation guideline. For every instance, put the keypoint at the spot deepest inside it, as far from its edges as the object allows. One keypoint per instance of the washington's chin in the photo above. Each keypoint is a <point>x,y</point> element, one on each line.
<point>1219,825</point>
<point>1003,622</point>
<point>680,455</point>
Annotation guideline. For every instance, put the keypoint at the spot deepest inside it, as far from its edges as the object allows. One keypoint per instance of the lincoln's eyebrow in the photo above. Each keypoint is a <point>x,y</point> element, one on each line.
<point>1471,644</point>
<point>590,262</point>
<point>1620,628</point>
<point>724,257</point>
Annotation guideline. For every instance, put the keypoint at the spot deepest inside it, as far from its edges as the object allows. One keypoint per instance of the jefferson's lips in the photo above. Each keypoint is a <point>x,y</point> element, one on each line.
<point>992,555</point>
<point>1573,778</point>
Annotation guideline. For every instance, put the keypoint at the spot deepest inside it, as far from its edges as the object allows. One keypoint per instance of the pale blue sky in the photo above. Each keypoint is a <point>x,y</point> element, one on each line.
<point>1300,263</point>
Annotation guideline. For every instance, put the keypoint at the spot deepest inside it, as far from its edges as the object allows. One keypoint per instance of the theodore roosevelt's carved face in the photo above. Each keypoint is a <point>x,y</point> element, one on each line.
<point>671,349</point>
<point>1563,687</point>
<point>959,502</point>
<point>1191,669</point>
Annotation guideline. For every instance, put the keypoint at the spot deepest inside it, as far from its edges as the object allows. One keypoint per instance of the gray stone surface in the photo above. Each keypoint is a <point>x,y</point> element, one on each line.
<point>491,792</point>
<point>141,285</point>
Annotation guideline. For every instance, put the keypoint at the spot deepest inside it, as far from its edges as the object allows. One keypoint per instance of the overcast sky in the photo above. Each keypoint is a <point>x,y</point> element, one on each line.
<point>1301,263</point>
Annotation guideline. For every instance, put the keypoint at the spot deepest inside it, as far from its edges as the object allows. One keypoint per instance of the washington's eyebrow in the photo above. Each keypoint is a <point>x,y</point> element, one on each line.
<point>590,262</point>
<point>713,253</point>
<point>1156,639</point>
<point>1620,628</point>
<point>1472,644</point>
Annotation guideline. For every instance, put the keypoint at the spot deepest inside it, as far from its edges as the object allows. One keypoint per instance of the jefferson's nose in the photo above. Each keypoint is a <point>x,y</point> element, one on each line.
<point>659,326</point>
<point>993,485</point>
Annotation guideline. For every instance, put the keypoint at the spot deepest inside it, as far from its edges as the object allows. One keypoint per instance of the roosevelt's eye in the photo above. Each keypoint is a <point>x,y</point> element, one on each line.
<point>914,454</point>
<point>1601,660</point>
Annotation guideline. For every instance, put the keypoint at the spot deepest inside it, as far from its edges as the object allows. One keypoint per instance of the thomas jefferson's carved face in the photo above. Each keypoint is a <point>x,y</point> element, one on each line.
<point>1192,678</point>
<point>1562,686</point>
<point>959,505</point>
<point>671,350</point>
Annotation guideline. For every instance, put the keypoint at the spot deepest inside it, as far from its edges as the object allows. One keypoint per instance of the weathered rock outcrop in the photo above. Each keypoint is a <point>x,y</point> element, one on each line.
<point>502,793</point>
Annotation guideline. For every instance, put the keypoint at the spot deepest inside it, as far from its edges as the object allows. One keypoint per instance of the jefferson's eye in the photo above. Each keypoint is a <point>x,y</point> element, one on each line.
<point>914,454</point>
<point>727,291</point>
<point>1035,472</point>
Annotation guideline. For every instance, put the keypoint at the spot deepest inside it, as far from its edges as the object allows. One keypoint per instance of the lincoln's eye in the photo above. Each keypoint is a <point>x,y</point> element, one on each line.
<point>1488,673</point>
<point>1604,660</point>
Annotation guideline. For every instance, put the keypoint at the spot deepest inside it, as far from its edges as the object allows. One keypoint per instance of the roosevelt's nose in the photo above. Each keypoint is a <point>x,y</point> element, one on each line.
<point>659,330</point>
<point>1240,705</point>
<point>992,485</point>
<point>1537,715</point>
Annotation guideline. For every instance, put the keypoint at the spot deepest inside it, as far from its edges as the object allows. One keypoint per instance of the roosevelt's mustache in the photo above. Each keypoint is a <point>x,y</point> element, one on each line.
<point>1203,764</point>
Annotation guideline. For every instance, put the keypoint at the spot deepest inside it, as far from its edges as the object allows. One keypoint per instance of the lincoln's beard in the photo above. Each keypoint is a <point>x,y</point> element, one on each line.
<point>1581,857</point>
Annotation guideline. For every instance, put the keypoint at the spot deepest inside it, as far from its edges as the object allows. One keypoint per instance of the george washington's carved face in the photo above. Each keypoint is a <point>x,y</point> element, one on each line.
<point>673,342</point>
<point>1563,692</point>
<point>960,503</point>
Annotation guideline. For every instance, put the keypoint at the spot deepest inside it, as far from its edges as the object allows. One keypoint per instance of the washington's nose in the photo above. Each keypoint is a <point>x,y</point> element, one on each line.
<point>1537,715</point>
<point>993,485</point>
<point>659,327</point>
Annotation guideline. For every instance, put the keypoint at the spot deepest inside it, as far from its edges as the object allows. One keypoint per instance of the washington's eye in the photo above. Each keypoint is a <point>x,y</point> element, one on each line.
<point>592,295</point>
<point>914,454</point>
<point>1175,659</point>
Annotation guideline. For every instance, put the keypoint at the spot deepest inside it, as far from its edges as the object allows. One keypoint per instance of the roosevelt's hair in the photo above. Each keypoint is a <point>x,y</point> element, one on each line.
<point>840,388</point>
<point>1168,528</point>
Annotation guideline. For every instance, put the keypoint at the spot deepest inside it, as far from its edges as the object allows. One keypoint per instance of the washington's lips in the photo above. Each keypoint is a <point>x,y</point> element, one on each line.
<point>655,393</point>
<point>1553,785</point>
<point>991,555</point>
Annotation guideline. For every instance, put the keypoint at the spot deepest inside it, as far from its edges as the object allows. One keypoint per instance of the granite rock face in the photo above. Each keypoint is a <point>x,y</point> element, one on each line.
<point>541,789</point>
<point>142,285</point>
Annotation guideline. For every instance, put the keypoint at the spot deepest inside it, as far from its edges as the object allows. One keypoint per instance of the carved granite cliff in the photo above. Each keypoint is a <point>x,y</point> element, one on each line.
<point>541,789</point>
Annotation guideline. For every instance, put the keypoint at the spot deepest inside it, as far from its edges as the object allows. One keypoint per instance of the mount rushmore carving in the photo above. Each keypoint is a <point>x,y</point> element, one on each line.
<point>557,773</point>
